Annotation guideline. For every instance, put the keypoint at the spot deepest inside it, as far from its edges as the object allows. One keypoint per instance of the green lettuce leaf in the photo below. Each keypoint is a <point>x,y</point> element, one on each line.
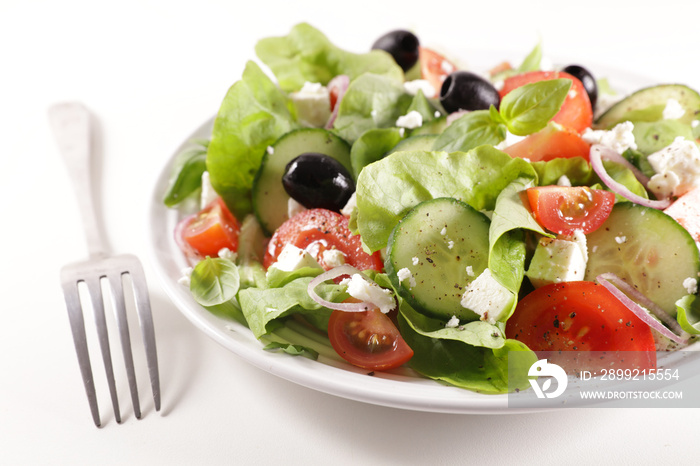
<point>253,115</point>
<point>371,146</point>
<point>371,101</point>
<point>306,54</point>
<point>264,308</point>
<point>469,131</point>
<point>476,368</point>
<point>688,313</point>
<point>389,188</point>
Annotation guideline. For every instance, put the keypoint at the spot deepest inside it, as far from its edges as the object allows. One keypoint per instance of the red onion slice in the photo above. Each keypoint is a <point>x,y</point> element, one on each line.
<point>596,156</point>
<point>609,154</point>
<point>341,82</point>
<point>190,254</point>
<point>633,300</point>
<point>330,275</point>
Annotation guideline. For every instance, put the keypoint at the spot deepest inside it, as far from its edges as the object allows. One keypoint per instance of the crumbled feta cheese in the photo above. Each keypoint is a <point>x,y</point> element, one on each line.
<point>452,323</point>
<point>564,181</point>
<point>293,258</point>
<point>402,131</point>
<point>208,193</point>
<point>184,280</point>
<point>619,139</point>
<point>673,110</point>
<point>620,239</point>
<point>443,232</point>
<point>373,114</point>
<point>412,87</point>
<point>691,285</point>
<point>349,206</point>
<point>333,258</point>
<point>313,104</point>
<point>677,168</point>
<point>412,119</point>
<point>270,150</point>
<point>498,85</point>
<point>293,208</point>
<point>405,274</point>
<point>470,271</point>
<point>369,292</point>
<point>509,140</point>
<point>437,114</point>
<point>695,123</point>
<point>487,298</point>
<point>415,260</point>
<point>226,253</point>
<point>450,244</point>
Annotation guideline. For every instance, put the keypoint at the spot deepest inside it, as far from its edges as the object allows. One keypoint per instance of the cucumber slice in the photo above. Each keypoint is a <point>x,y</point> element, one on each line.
<point>646,248</point>
<point>648,104</point>
<point>420,142</point>
<point>270,200</point>
<point>436,242</point>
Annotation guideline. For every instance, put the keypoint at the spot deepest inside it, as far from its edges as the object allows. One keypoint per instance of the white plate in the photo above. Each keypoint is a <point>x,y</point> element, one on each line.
<point>400,389</point>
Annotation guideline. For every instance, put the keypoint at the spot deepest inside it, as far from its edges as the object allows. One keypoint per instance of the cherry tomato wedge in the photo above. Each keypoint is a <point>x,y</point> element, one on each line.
<point>565,209</point>
<point>434,68</point>
<point>576,113</point>
<point>211,229</point>
<point>550,143</point>
<point>369,340</point>
<point>317,230</point>
<point>581,316</point>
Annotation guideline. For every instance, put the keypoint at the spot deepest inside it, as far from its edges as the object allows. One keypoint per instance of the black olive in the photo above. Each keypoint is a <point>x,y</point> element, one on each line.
<point>586,79</point>
<point>463,90</point>
<point>400,44</point>
<point>317,180</point>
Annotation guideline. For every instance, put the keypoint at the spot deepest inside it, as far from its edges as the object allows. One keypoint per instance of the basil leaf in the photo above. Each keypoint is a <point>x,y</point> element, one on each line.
<point>470,131</point>
<point>528,109</point>
<point>532,61</point>
<point>214,281</point>
<point>188,178</point>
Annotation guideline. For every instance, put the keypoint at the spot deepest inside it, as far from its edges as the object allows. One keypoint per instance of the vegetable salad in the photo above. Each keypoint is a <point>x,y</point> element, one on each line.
<point>418,213</point>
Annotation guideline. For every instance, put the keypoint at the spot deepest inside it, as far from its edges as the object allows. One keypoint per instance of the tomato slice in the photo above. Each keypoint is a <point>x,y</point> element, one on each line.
<point>434,67</point>
<point>581,316</point>
<point>211,229</point>
<point>576,113</point>
<point>317,230</point>
<point>550,143</point>
<point>369,340</point>
<point>565,209</point>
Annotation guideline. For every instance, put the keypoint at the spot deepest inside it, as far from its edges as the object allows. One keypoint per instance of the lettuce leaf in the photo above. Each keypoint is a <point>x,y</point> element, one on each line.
<point>253,115</point>
<point>371,101</point>
<point>371,146</point>
<point>306,54</point>
<point>389,188</point>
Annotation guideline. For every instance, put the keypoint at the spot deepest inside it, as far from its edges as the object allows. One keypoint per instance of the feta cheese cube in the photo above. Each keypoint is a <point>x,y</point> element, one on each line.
<point>349,206</point>
<point>405,274</point>
<point>558,260</point>
<point>677,168</point>
<point>313,104</point>
<point>691,285</point>
<point>333,258</point>
<point>411,120</point>
<point>293,258</point>
<point>452,323</point>
<point>370,292</point>
<point>673,110</point>
<point>208,194</point>
<point>412,87</point>
<point>619,139</point>
<point>293,208</point>
<point>487,297</point>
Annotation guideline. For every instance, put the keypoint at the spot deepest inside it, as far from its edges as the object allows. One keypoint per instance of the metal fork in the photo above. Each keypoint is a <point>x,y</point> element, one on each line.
<point>72,127</point>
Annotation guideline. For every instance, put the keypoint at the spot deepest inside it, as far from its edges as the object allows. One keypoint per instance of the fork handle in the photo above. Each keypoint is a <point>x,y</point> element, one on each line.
<point>72,127</point>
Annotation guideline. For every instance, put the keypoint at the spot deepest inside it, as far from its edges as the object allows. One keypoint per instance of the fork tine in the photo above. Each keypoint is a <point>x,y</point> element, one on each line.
<point>143,308</point>
<point>77,325</point>
<point>98,307</point>
<point>117,288</point>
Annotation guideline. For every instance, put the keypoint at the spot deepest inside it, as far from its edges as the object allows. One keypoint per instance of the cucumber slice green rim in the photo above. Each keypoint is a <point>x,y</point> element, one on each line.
<point>270,200</point>
<point>646,248</point>
<point>443,243</point>
<point>648,104</point>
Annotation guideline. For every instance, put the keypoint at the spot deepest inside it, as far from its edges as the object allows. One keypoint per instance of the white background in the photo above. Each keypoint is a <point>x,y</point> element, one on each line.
<point>152,71</point>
